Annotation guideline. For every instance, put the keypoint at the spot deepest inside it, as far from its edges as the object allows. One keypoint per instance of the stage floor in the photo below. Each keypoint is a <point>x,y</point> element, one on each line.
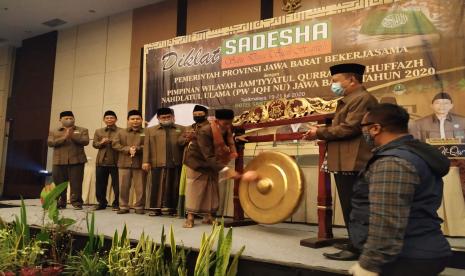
<point>277,244</point>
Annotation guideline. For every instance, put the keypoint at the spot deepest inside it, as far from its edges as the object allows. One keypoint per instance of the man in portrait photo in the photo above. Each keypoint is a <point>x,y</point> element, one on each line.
<point>442,124</point>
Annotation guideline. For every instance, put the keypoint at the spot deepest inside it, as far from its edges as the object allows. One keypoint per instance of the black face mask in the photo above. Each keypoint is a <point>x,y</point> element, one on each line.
<point>199,119</point>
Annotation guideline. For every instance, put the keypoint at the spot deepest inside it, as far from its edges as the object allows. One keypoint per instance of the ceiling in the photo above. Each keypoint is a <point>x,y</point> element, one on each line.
<point>21,19</point>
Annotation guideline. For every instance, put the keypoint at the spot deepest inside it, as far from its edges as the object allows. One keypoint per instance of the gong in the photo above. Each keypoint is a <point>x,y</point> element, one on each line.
<point>275,194</point>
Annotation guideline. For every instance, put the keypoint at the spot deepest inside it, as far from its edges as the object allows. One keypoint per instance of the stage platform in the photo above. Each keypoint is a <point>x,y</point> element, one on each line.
<point>277,244</point>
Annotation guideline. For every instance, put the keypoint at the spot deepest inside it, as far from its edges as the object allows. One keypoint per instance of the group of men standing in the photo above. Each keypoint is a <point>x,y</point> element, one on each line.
<point>128,154</point>
<point>389,184</point>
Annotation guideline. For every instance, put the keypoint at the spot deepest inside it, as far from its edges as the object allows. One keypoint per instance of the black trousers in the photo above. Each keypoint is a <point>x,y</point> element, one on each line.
<point>345,186</point>
<point>165,188</point>
<point>409,267</point>
<point>74,174</point>
<point>101,182</point>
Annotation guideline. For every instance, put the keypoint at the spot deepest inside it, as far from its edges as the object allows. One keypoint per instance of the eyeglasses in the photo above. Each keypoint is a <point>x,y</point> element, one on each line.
<point>367,124</point>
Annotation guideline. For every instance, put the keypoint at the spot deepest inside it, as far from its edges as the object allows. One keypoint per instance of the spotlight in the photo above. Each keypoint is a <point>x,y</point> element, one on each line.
<point>44,177</point>
<point>45,173</point>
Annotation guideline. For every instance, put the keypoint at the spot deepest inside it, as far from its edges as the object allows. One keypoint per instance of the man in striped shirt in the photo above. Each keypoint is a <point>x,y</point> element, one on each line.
<point>394,221</point>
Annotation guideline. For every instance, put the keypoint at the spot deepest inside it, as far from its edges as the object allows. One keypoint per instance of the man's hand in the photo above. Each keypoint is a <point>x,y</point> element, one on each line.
<point>233,174</point>
<point>68,132</point>
<point>189,135</point>
<point>250,176</point>
<point>241,138</point>
<point>233,155</point>
<point>311,133</point>
<point>357,270</point>
<point>105,141</point>
<point>146,167</point>
<point>132,151</point>
<point>228,173</point>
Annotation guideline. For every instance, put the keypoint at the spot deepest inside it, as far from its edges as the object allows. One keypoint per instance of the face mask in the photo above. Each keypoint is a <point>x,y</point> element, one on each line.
<point>337,89</point>
<point>199,119</point>
<point>68,123</point>
<point>369,139</point>
<point>166,123</point>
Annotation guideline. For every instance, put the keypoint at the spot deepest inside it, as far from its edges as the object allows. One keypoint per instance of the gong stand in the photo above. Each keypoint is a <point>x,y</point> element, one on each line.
<point>325,208</point>
<point>325,211</point>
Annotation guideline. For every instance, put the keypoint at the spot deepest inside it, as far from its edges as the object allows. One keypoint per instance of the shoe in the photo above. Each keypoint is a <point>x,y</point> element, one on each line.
<point>344,255</point>
<point>154,213</point>
<point>140,211</point>
<point>123,211</point>
<point>77,207</point>
<point>188,224</point>
<point>61,204</point>
<point>100,207</point>
<point>344,246</point>
<point>208,219</point>
<point>167,211</point>
<point>115,208</point>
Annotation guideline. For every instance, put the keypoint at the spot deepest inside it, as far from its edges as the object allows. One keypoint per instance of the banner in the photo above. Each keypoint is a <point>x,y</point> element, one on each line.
<point>412,50</point>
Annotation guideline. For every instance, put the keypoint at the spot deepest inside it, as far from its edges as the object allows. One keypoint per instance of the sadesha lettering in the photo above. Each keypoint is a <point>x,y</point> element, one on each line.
<point>194,57</point>
<point>277,38</point>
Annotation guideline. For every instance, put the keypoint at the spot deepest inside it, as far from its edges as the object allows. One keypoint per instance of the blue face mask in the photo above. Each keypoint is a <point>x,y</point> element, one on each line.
<point>368,139</point>
<point>337,89</point>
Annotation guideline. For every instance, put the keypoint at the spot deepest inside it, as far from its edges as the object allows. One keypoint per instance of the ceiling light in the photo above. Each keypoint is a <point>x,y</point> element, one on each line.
<point>54,22</point>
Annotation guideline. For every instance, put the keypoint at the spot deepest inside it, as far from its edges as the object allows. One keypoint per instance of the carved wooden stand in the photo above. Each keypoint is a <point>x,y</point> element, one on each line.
<point>238,217</point>
<point>325,209</point>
